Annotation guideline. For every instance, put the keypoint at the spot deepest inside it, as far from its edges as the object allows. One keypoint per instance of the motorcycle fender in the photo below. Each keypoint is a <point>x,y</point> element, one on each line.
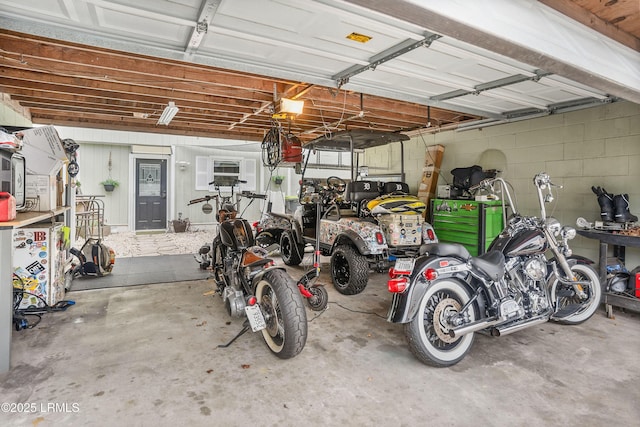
<point>404,306</point>
<point>262,272</point>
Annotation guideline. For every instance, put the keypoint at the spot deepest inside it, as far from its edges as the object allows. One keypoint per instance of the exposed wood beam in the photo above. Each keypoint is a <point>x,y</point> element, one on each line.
<point>585,17</point>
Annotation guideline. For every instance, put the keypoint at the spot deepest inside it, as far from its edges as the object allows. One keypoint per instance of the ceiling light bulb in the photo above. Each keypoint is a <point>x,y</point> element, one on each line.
<point>291,106</point>
<point>167,115</point>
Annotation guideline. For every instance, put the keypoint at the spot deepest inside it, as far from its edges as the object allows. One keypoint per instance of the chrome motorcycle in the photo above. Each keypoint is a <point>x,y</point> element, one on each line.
<point>251,286</point>
<point>444,296</point>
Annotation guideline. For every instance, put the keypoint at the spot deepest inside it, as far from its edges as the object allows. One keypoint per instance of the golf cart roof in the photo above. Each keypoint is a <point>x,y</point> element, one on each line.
<point>362,138</point>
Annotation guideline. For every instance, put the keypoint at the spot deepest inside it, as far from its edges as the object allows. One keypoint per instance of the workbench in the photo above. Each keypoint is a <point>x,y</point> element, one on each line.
<point>619,242</point>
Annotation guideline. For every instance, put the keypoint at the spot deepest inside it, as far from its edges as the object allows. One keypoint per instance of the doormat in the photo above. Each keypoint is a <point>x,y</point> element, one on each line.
<point>145,270</point>
<point>148,232</point>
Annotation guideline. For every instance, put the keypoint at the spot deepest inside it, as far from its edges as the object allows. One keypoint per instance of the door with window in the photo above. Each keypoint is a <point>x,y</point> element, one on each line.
<point>151,194</point>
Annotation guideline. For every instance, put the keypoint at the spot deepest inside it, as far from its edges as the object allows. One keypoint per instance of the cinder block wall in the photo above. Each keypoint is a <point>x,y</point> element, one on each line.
<point>597,146</point>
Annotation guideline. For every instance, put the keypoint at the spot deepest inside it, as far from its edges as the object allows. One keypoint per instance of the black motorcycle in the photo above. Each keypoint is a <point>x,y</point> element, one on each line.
<point>446,295</point>
<point>251,286</point>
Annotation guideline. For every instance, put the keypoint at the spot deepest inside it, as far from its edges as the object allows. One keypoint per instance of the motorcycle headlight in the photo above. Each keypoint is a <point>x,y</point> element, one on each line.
<point>554,226</point>
<point>535,269</point>
<point>568,233</point>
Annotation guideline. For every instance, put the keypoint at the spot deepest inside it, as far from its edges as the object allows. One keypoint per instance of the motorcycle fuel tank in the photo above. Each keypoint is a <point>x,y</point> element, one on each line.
<point>527,242</point>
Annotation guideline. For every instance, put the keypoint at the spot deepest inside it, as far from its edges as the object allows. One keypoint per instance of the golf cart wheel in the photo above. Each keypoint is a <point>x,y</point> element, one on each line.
<point>349,270</point>
<point>264,239</point>
<point>290,251</point>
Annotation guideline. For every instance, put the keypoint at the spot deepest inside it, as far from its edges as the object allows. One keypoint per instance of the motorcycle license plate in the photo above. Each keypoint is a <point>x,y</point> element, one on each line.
<point>405,264</point>
<point>256,319</point>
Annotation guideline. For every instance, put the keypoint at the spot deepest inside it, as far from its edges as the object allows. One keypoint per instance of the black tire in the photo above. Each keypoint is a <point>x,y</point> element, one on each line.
<point>284,313</point>
<point>349,270</point>
<point>319,298</point>
<point>264,239</point>
<point>429,340</point>
<point>582,272</point>
<point>290,251</point>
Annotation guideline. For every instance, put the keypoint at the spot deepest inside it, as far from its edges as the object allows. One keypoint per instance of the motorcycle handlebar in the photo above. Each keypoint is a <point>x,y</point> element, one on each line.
<point>235,182</point>
<point>250,195</point>
<point>541,181</point>
<point>201,199</point>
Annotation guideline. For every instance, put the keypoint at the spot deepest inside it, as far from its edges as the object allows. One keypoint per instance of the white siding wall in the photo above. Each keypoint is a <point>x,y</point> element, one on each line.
<point>94,168</point>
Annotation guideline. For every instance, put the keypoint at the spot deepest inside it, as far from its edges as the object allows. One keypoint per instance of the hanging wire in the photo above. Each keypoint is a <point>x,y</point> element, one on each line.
<point>271,147</point>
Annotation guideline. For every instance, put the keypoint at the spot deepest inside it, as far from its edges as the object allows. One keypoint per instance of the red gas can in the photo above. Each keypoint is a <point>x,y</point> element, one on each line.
<point>291,149</point>
<point>7,207</point>
<point>633,287</point>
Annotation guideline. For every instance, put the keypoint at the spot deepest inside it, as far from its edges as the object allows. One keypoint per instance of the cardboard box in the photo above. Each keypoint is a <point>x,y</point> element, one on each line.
<point>43,150</point>
<point>429,183</point>
<point>43,190</point>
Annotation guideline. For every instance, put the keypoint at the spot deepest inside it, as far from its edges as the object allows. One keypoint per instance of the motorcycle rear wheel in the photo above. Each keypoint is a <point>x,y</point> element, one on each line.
<point>284,313</point>
<point>582,272</point>
<point>428,333</point>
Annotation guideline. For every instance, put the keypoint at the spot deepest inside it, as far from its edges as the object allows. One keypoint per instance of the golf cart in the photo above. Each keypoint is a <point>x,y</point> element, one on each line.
<point>362,224</point>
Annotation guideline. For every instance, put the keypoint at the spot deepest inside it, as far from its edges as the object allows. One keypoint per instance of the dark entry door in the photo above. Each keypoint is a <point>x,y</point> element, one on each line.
<point>151,194</point>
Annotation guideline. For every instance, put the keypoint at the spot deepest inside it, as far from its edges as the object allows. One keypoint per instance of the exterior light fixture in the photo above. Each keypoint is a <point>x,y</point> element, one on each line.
<point>291,106</point>
<point>167,115</point>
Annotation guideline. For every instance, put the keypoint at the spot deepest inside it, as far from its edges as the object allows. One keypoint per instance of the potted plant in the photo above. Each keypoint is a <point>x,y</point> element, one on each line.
<point>109,184</point>
<point>180,225</point>
<point>278,179</point>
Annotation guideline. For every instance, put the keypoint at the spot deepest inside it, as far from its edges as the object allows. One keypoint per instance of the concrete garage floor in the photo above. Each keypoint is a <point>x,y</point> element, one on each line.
<point>148,356</point>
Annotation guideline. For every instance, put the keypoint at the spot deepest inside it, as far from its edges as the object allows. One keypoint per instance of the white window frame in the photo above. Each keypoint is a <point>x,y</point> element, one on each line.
<point>205,172</point>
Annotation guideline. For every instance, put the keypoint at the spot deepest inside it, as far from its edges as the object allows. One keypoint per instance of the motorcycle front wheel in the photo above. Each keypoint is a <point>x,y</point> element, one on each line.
<point>428,333</point>
<point>564,295</point>
<point>284,314</point>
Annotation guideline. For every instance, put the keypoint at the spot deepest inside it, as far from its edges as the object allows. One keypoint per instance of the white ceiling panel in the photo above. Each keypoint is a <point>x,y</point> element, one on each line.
<point>488,58</point>
<point>143,28</point>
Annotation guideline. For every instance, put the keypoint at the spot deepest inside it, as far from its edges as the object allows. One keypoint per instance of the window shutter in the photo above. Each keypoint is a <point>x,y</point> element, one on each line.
<point>202,173</point>
<point>248,173</point>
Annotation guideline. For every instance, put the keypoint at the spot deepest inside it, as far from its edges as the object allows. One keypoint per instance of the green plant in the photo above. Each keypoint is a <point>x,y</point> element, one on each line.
<point>110,181</point>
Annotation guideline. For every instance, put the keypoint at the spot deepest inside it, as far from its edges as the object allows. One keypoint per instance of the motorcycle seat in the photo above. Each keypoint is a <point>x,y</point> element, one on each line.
<point>446,249</point>
<point>490,263</point>
<point>281,215</point>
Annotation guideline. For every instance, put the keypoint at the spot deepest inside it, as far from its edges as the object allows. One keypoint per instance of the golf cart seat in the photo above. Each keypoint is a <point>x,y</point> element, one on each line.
<point>361,192</point>
<point>395,187</point>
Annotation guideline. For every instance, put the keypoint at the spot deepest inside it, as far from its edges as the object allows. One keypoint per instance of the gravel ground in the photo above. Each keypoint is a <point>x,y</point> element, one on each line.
<point>130,244</point>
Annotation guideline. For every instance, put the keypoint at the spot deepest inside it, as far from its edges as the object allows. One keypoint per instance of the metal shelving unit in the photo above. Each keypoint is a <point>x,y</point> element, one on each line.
<point>619,243</point>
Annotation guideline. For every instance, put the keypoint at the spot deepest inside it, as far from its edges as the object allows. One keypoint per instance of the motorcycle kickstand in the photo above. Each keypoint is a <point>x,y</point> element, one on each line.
<point>245,328</point>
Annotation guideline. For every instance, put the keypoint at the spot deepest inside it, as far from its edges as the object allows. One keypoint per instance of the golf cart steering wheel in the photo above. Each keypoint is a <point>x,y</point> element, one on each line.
<point>336,184</point>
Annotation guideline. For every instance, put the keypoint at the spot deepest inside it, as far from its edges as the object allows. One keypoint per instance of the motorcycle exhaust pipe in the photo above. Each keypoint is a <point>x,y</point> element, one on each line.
<point>475,326</point>
<point>506,330</point>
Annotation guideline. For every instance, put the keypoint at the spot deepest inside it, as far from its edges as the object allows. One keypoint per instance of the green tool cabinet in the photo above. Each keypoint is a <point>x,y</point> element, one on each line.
<point>468,222</point>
